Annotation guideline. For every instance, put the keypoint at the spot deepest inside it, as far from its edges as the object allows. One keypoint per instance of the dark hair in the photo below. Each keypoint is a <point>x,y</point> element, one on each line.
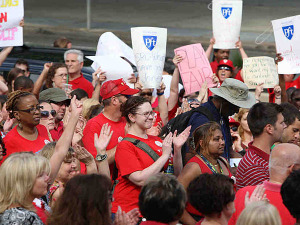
<point>80,94</point>
<point>106,102</point>
<point>210,193</point>
<point>22,62</point>
<point>260,115</point>
<point>295,92</point>
<point>290,113</point>
<point>12,75</point>
<point>169,66</point>
<point>13,101</point>
<point>23,82</point>
<point>204,133</point>
<point>61,42</point>
<point>93,111</point>
<point>131,106</point>
<point>290,193</point>
<point>162,199</point>
<point>51,73</point>
<point>289,93</point>
<point>3,99</point>
<point>85,200</point>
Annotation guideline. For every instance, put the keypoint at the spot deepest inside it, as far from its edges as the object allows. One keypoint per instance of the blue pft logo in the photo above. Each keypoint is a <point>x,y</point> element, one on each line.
<point>288,31</point>
<point>150,41</point>
<point>226,12</point>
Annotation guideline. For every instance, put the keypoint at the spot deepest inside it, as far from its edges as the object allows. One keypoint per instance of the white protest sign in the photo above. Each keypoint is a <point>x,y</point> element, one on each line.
<point>287,38</point>
<point>11,13</point>
<point>257,70</point>
<point>114,67</point>
<point>149,47</point>
<point>226,19</point>
<point>110,44</point>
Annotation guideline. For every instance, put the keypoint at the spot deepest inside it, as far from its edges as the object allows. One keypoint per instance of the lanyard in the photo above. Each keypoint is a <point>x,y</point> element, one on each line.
<point>210,166</point>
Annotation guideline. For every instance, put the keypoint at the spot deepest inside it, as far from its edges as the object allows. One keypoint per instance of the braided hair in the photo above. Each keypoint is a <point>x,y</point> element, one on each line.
<point>13,101</point>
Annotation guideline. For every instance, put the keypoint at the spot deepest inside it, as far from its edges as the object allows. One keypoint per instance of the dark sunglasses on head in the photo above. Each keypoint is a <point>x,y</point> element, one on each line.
<point>234,128</point>
<point>145,93</point>
<point>46,114</point>
<point>225,68</point>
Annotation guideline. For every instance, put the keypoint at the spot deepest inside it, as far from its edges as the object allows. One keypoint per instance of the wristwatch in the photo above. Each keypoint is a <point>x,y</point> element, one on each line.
<point>100,158</point>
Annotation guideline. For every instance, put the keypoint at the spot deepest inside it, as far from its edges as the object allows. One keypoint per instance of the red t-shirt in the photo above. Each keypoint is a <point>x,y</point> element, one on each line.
<point>57,131</point>
<point>84,84</point>
<point>14,142</point>
<point>294,83</point>
<point>129,159</point>
<point>152,223</point>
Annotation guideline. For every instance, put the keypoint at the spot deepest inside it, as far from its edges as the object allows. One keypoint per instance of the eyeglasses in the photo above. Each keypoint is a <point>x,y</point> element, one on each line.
<point>46,114</point>
<point>225,68</point>
<point>61,75</point>
<point>145,93</point>
<point>147,114</point>
<point>31,110</point>
<point>234,128</point>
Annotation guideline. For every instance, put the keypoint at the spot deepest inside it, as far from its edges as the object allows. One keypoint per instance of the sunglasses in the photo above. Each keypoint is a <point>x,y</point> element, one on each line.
<point>234,128</point>
<point>145,93</point>
<point>193,100</point>
<point>225,68</point>
<point>46,114</point>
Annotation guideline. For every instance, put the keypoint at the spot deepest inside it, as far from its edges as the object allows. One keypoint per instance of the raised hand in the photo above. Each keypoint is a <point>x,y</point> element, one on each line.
<point>179,140</point>
<point>75,106</point>
<point>167,144</point>
<point>257,195</point>
<point>102,141</point>
<point>177,59</point>
<point>98,76</point>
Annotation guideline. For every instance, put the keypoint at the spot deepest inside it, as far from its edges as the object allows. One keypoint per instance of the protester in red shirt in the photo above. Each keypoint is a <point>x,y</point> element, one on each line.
<point>135,165</point>
<point>224,70</point>
<point>74,60</point>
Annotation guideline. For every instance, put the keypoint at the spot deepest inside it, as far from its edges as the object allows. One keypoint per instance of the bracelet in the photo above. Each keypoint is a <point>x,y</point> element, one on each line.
<point>100,158</point>
<point>161,93</point>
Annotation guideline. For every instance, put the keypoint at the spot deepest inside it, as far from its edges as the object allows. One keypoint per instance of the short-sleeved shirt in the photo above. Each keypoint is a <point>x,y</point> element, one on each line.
<point>19,216</point>
<point>83,84</point>
<point>253,169</point>
<point>14,142</point>
<point>129,159</point>
<point>57,131</point>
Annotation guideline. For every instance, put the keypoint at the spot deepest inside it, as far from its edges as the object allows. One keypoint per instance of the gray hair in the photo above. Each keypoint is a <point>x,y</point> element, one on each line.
<point>75,51</point>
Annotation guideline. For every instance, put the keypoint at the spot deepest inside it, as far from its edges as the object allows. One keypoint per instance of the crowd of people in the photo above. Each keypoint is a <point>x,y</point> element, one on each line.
<point>101,152</point>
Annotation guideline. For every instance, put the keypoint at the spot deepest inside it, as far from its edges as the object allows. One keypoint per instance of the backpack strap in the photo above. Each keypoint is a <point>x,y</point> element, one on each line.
<point>143,146</point>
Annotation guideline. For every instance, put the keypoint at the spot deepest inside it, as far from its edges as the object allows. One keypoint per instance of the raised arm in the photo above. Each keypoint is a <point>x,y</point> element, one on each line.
<point>98,78</point>
<point>4,53</point>
<point>162,104</point>
<point>239,45</point>
<point>210,47</point>
<point>39,82</point>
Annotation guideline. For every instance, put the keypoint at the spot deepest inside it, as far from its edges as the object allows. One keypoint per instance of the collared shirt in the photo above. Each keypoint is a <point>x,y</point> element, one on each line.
<point>57,131</point>
<point>253,169</point>
<point>83,84</point>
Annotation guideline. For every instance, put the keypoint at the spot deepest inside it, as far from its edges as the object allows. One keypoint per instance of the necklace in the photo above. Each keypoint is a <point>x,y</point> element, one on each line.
<point>211,166</point>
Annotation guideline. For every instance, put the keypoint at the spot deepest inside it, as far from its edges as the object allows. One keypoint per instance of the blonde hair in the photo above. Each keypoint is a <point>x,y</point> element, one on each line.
<point>49,149</point>
<point>18,174</point>
<point>240,115</point>
<point>259,213</point>
<point>86,105</point>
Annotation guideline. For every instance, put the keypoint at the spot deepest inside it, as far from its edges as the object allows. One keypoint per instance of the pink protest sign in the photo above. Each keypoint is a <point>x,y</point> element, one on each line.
<point>194,68</point>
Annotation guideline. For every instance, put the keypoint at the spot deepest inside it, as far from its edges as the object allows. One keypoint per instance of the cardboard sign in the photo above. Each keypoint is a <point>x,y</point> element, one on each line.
<point>257,70</point>
<point>149,47</point>
<point>287,38</point>
<point>11,13</point>
<point>114,66</point>
<point>194,68</point>
<point>110,44</point>
<point>226,20</point>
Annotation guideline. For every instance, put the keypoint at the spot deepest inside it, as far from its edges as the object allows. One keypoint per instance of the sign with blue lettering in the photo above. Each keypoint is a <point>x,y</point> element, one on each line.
<point>288,31</point>
<point>150,41</point>
<point>226,12</point>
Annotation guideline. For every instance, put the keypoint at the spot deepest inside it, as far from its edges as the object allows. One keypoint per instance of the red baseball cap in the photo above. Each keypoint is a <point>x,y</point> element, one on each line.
<point>226,62</point>
<point>233,121</point>
<point>114,87</point>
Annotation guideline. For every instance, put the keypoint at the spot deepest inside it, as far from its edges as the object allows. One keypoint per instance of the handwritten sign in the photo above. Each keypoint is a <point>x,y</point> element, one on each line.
<point>110,44</point>
<point>287,38</point>
<point>194,68</point>
<point>11,13</point>
<point>226,19</point>
<point>149,47</point>
<point>114,66</point>
<point>257,70</point>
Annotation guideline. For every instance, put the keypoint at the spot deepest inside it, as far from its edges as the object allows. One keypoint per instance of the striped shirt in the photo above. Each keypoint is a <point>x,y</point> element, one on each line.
<point>253,169</point>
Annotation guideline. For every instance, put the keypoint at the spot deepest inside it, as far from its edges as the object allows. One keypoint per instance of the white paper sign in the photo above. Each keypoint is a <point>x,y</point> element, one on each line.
<point>226,19</point>
<point>287,38</point>
<point>234,162</point>
<point>114,67</point>
<point>149,47</point>
<point>110,44</point>
<point>257,70</point>
<point>11,13</point>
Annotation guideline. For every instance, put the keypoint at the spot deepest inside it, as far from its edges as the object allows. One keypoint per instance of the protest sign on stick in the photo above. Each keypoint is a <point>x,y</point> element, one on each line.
<point>114,67</point>
<point>287,38</point>
<point>149,47</point>
<point>257,70</point>
<point>11,13</point>
<point>226,19</point>
<point>110,44</point>
<point>194,68</point>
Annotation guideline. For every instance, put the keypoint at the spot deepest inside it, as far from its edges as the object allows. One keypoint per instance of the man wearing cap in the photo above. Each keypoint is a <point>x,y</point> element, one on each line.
<point>58,100</point>
<point>266,124</point>
<point>114,93</point>
<point>74,61</point>
<point>226,101</point>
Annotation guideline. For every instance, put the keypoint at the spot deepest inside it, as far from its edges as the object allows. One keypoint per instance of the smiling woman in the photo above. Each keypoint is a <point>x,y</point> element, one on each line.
<point>28,135</point>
